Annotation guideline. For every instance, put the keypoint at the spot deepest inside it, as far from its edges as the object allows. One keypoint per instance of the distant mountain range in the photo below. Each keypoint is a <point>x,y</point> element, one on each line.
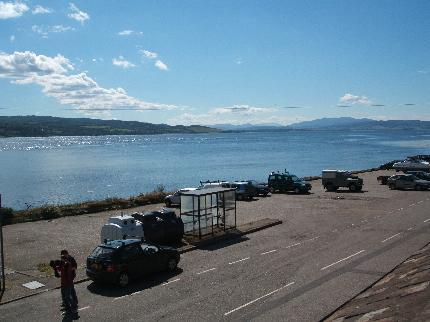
<point>340,123</point>
<point>41,126</point>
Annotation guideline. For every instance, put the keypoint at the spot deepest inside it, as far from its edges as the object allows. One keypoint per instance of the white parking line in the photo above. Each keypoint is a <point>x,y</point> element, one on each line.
<point>421,201</point>
<point>343,259</point>
<point>83,308</point>
<point>390,237</point>
<point>312,239</point>
<point>257,299</point>
<point>270,251</point>
<point>121,297</point>
<point>411,205</point>
<point>208,270</point>
<point>135,293</point>
<point>296,244</point>
<point>173,281</point>
<point>240,260</point>
<point>426,220</point>
<point>400,209</point>
<point>410,228</point>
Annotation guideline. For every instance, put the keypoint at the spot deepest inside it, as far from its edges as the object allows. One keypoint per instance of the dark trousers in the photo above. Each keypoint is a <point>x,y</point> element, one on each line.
<point>68,295</point>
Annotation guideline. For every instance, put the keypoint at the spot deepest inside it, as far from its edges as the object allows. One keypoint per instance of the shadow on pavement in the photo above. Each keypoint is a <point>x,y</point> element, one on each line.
<point>136,285</point>
<point>224,243</point>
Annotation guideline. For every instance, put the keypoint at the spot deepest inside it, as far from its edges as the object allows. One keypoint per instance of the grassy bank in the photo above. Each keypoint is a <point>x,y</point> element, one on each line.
<point>46,212</point>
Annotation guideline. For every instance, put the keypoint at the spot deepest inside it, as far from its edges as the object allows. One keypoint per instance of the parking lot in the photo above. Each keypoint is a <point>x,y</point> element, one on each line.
<point>330,246</point>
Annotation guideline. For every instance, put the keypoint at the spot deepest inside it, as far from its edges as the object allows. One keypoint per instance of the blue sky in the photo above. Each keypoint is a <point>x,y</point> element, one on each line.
<point>213,62</point>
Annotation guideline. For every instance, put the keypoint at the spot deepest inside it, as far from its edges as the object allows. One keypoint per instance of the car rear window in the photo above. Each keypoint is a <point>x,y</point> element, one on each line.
<point>102,252</point>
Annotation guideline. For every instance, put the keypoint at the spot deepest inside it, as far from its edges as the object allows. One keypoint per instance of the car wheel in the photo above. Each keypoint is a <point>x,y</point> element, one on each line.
<point>329,187</point>
<point>239,197</point>
<point>168,203</point>
<point>297,190</point>
<point>353,187</point>
<point>272,190</point>
<point>123,279</point>
<point>392,186</point>
<point>418,187</point>
<point>172,264</point>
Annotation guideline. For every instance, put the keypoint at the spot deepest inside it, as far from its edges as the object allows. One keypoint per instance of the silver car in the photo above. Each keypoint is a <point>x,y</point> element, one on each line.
<point>407,181</point>
<point>175,199</point>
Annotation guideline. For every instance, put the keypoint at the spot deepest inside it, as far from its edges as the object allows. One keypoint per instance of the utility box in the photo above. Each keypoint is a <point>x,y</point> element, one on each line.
<point>122,227</point>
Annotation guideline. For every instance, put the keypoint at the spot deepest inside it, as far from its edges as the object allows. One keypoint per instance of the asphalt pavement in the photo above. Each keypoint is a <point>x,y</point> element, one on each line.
<point>301,270</point>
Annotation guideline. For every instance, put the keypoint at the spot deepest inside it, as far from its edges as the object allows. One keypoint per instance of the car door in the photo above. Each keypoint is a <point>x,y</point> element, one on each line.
<point>132,258</point>
<point>152,258</point>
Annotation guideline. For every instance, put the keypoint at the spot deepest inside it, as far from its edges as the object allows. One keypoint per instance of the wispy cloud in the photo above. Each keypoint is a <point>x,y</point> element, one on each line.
<point>79,90</point>
<point>153,56</point>
<point>354,99</point>
<point>423,71</point>
<point>77,14</point>
<point>121,62</point>
<point>44,31</point>
<point>148,54</point>
<point>236,114</point>
<point>39,10</point>
<point>128,32</point>
<point>12,38</point>
<point>243,109</point>
<point>12,9</point>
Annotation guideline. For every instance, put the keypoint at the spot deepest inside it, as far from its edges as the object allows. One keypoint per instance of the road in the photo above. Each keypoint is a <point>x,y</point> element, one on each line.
<point>268,275</point>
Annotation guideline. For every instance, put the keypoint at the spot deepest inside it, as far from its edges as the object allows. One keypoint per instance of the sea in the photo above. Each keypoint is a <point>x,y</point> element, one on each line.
<point>63,169</point>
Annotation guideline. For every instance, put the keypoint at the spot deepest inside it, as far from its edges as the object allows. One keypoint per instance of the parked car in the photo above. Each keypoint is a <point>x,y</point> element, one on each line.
<point>161,227</point>
<point>213,184</point>
<point>244,190</point>
<point>420,174</point>
<point>334,179</point>
<point>175,199</point>
<point>382,179</point>
<point>119,261</point>
<point>261,188</point>
<point>412,165</point>
<point>407,181</point>
<point>287,182</point>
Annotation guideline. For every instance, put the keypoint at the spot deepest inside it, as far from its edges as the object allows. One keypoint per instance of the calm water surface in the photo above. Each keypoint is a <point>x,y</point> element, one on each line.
<point>59,170</point>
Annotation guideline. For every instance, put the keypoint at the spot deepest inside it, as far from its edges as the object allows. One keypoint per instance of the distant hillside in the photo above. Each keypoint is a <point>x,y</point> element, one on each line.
<point>349,123</point>
<point>12,126</point>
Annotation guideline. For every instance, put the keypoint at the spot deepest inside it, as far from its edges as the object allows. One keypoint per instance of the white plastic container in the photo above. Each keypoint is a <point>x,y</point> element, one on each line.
<point>122,227</point>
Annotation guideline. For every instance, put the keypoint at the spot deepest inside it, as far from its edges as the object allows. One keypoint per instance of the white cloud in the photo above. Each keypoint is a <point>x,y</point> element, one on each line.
<point>12,38</point>
<point>23,64</point>
<point>77,14</point>
<point>79,91</point>
<point>44,31</point>
<point>151,56</point>
<point>39,10</point>
<point>243,109</point>
<point>148,54</point>
<point>236,114</point>
<point>160,65</point>
<point>239,61</point>
<point>12,9</point>
<point>121,62</point>
<point>354,99</point>
<point>130,33</point>
<point>423,72</point>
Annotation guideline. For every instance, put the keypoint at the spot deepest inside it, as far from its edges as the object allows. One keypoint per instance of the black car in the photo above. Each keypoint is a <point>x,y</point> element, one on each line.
<point>119,261</point>
<point>161,227</point>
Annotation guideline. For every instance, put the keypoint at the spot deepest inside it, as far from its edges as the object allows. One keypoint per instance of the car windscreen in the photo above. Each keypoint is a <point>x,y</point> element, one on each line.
<point>295,178</point>
<point>104,252</point>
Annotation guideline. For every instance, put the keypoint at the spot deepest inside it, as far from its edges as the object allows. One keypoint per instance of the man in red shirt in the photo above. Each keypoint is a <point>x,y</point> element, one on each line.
<point>66,270</point>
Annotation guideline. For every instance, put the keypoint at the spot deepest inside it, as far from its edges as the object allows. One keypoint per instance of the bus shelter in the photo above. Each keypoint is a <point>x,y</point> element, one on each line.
<point>207,211</point>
